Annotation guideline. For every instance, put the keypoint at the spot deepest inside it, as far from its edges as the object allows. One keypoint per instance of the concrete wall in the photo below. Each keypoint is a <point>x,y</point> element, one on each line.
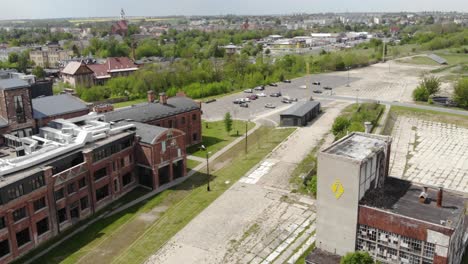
<point>337,217</point>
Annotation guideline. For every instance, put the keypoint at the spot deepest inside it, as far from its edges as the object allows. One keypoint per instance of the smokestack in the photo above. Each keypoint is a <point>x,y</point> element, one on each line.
<point>163,98</point>
<point>423,195</point>
<point>150,95</point>
<point>368,126</point>
<point>439,197</point>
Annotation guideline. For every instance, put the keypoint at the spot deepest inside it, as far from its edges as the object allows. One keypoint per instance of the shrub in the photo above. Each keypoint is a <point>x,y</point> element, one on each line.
<point>461,93</point>
<point>340,125</point>
<point>431,84</point>
<point>357,257</point>
<point>420,94</point>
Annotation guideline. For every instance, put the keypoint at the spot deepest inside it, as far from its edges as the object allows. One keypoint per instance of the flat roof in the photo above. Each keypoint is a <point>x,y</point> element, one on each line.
<point>300,108</point>
<point>13,83</point>
<point>318,256</point>
<point>358,146</point>
<point>56,105</point>
<point>402,197</point>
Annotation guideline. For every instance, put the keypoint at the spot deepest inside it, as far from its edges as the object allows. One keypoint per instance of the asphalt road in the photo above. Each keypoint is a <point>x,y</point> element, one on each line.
<point>296,89</point>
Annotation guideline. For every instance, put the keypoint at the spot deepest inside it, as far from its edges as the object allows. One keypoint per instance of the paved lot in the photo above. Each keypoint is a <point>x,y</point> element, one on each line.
<point>257,220</point>
<point>430,152</point>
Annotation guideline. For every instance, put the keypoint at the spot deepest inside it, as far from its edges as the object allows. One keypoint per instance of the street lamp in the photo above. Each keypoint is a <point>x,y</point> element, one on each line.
<point>357,95</point>
<point>246,129</point>
<point>207,167</point>
<point>348,68</point>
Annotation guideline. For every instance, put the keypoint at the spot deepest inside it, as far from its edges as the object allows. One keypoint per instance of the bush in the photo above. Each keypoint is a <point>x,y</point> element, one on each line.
<point>357,257</point>
<point>431,84</point>
<point>420,94</point>
<point>312,185</point>
<point>461,93</point>
<point>340,125</point>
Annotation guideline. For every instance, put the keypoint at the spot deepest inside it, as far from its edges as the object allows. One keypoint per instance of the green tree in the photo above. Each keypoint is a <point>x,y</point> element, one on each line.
<point>13,57</point>
<point>39,72</point>
<point>228,122</point>
<point>461,93</point>
<point>23,61</point>
<point>357,257</point>
<point>431,84</point>
<point>341,124</point>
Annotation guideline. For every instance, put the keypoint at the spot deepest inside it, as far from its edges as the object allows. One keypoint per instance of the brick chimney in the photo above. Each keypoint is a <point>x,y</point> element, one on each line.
<point>163,98</point>
<point>150,95</point>
<point>423,196</point>
<point>439,197</point>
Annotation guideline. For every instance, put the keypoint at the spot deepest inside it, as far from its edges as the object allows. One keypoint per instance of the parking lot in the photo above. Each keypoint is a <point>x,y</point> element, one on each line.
<point>257,109</point>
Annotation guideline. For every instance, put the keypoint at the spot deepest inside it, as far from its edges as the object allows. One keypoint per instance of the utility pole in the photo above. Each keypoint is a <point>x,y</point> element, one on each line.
<point>246,128</point>
<point>208,171</point>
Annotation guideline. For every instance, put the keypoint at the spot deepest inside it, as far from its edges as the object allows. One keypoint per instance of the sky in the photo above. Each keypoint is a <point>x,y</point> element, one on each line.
<point>32,9</point>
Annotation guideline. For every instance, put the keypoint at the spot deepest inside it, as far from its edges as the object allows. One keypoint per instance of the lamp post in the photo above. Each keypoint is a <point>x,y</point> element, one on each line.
<point>348,68</point>
<point>246,129</point>
<point>207,167</point>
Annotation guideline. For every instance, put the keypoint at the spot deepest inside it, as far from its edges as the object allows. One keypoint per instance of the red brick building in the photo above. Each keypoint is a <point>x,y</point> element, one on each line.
<point>178,112</point>
<point>95,163</point>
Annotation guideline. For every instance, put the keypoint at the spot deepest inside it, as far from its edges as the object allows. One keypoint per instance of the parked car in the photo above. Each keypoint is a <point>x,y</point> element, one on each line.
<point>245,100</point>
<point>237,101</point>
<point>273,84</point>
<point>261,95</point>
<point>275,94</point>
<point>246,105</point>
<point>270,105</point>
<point>316,83</point>
<point>292,99</point>
<point>259,88</point>
<point>287,81</point>
<point>248,91</point>
<point>253,97</point>
<point>327,88</point>
<point>286,101</point>
<point>317,91</point>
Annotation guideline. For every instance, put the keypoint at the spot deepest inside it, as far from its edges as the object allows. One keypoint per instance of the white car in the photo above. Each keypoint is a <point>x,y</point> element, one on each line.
<point>245,100</point>
<point>261,95</point>
<point>248,91</point>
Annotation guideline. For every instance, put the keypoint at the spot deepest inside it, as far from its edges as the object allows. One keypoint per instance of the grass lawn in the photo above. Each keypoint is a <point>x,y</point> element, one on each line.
<point>129,237</point>
<point>420,60</point>
<point>307,166</point>
<point>454,58</point>
<point>191,164</point>
<point>215,137</point>
<point>129,103</point>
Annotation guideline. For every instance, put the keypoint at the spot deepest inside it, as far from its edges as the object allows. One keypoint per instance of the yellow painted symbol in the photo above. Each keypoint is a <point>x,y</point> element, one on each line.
<point>337,189</point>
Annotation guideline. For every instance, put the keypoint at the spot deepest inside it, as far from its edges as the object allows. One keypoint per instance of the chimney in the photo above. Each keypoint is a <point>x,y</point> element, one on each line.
<point>163,98</point>
<point>423,196</point>
<point>150,96</point>
<point>368,126</point>
<point>439,197</point>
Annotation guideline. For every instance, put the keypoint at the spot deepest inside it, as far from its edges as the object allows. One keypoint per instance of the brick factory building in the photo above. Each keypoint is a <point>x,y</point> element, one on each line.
<point>178,112</point>
<point>21,115</point>
<point>75,167</point>
<point>360,208</point>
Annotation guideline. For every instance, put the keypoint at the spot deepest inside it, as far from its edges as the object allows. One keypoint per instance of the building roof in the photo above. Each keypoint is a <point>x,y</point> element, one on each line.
<point>9,84</point>
<point>300,109</point>
<point>147,133</point>
<point>117,64</point>
<point>437,59</point>
<point>100,70</point>
<point>72,67</point>
<point>56,105</point>
<point>152,111</point>
<point>402,197</point>
<point>358,146</point>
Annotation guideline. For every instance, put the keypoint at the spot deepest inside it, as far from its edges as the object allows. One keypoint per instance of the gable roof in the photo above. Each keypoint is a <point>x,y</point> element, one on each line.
<point>147,133</point>
<point>113,64</point>
<point>146,112</point>
<point>10,84</point>
<point>56,105</point>
<point>73,66</point>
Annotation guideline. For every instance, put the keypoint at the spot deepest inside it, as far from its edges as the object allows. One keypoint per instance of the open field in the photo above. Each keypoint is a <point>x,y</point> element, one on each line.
<point>215,136</point>
<point>429,148</point>
<point>419,60</point>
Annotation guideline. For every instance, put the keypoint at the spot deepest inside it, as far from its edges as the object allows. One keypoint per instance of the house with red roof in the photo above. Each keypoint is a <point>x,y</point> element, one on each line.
<point>120,28</point>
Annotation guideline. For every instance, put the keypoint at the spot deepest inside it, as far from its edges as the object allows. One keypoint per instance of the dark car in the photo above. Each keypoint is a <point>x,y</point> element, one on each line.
<point>317,91</point>
<point>246,105</point>
<point>237,101</point>
<point>286,101</point>
<point>273,84</point>
<point>287,81</point>
<point>316,83</point>
<point>327,88</point>
<point>275,94</point>
<point>253,97</point>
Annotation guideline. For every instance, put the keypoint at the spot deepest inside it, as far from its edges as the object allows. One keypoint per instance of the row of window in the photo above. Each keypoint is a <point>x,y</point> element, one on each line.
<point>22,212</point>
<point>173,123</point>
<point>112,149</point>
<point>19,190</point>
<point>23,237</point>
<point>71,188</point>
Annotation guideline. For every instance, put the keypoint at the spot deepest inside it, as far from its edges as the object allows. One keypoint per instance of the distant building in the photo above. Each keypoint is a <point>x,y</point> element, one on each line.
<point>121,26</point>
<point>49,57</point>
<point>231,49</point>
<point>81,74</point>
<point>360,208</point>
<point>300,114</point>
